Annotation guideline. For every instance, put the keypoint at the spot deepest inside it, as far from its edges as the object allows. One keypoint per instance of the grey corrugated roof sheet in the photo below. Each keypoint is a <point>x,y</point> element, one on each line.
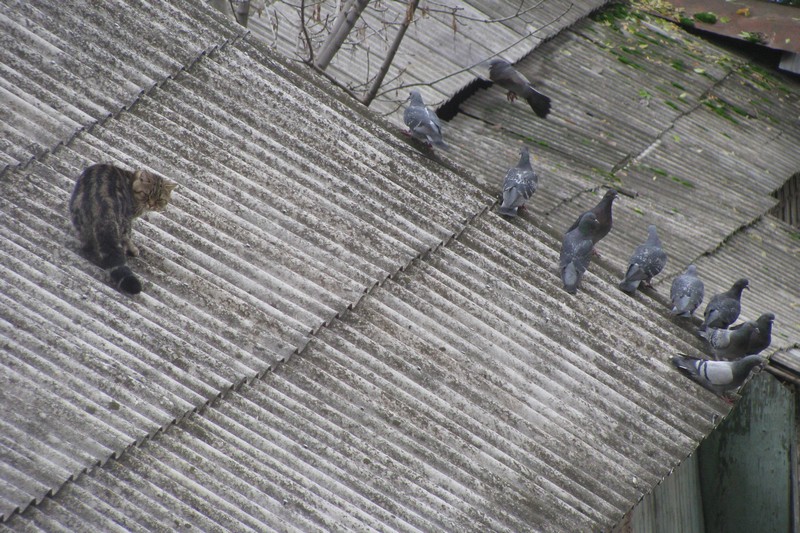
<point>440,378</point>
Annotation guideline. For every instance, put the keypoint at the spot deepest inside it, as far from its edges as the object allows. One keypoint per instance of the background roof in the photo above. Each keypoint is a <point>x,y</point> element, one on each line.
<point>429,371</point>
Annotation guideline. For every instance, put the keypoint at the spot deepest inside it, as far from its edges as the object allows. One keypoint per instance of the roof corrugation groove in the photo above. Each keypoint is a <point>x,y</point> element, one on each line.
<point>77,77</point>
<point>430,49</point>
<point>384,423</point>
<point>248,261</point>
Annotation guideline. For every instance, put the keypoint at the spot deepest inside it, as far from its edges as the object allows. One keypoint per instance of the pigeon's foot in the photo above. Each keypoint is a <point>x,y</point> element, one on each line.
<point>595,252</point>
<point>511,96</point>
<point>407,133</point>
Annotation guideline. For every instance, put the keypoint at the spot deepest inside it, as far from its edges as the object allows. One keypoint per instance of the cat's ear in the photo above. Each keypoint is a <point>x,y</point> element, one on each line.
<point>142,181</point>
<point>169,185</point>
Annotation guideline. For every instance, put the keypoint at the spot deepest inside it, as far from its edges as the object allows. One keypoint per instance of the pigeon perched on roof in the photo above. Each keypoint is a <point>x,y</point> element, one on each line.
<point>576,252</point>
<point>519,185</point>
<point>730,343</point>
<point>502,73</point>
<point>761,339</point>
<point>723,309</point>
<point>603,213</point>
<point>647,261</point>
<point>423,123</point>
<point>720,377</point>
<point>686,292</point>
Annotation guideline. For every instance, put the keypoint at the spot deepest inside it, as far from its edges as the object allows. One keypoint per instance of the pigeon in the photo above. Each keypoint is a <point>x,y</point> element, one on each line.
<point>423,123</point>
<point>502,73</point>
<point>648,259</point>
<point>720,377</point>
<point>723,309</point>
<point>576,252</point>
<point>761,339</point>
<point>520,184</point>
<point>603,213</point>
<point>686,293</point>
<point>730,343</point>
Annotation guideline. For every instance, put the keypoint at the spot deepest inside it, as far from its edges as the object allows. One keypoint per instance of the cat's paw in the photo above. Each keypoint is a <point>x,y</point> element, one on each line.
<point>131,249</point>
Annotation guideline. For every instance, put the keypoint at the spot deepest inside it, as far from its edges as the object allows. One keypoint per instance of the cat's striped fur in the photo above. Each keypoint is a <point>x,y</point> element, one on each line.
<point>103,205</point>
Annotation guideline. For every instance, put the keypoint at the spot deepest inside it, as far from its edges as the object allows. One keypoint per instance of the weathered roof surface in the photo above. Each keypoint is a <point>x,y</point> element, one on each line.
<point>702,144</point>
<point>280,223</point>
<point>432,53</point>
<point>439,379</point>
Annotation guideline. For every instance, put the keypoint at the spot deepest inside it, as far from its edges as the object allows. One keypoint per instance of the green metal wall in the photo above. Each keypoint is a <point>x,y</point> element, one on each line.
<point>746,464</point>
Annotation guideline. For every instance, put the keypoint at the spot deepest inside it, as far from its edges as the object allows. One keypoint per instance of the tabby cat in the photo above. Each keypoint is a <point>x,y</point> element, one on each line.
<point>103,205</point>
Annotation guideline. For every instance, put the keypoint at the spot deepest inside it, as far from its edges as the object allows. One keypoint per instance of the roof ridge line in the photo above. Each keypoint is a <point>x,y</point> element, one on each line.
<point>89,126</point>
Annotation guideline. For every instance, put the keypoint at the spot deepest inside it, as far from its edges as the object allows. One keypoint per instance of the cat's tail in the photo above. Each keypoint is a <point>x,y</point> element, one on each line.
<point>113,260</point>
<point>124,278</point>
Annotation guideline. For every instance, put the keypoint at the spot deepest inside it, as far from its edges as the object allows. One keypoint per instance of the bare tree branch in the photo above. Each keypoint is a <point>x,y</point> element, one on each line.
<point>387,61</point>
<point>465,69</point>
<point>341,28</point>
<point>310,59</point>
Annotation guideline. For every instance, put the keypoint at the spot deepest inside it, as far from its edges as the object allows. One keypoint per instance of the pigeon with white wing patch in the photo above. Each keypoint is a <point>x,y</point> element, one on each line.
<point>720,377</point>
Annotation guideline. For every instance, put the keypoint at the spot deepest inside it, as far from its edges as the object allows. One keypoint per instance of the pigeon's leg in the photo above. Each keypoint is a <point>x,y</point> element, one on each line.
<point>408,133</point>
<point>520,208</point>
<point>595,252</point>
<point>511,96</point>
<point>647,284</point>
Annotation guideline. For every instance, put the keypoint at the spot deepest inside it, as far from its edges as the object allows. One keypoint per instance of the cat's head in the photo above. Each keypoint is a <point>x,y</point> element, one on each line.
<point>151,191</point>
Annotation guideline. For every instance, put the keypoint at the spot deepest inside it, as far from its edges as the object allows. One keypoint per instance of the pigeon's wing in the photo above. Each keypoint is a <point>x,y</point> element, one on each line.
<point>636,270</point>
<point>577,221</point>
<point>716,373</point>
<point>506,76</point>
<point>575,259</point>
<point>518,186</point>
<point>424,125</point>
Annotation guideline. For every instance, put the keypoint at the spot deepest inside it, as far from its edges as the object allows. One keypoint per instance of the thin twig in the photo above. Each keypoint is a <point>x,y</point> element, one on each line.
<point>389,59</point>
<point>310,59</point>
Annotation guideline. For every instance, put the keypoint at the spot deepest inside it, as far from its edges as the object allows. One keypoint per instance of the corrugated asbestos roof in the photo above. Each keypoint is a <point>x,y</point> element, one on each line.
<point>440,378</point>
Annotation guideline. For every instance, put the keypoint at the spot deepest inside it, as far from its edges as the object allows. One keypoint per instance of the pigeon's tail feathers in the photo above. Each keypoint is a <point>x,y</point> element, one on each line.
<point>682,307</point>
<point>508,211</point>
<point>686,365</point>
<point>569,275</point>
<point>539,103</point>
<point>627,285</point>
<point>632,279</point>
<point>439,143</point>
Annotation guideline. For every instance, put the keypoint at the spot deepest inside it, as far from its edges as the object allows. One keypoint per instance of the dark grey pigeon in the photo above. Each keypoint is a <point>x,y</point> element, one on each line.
<point>520,184</point>
<point>647,261</point>
<point>603,213</point>
<point>761,339</point>
<point>730,343</point>
<point>720,377</point>
<point>423,123</point>
<point>502,73</point>
<point>723,309</point>
<point>686,293</point>
<point>576,252</point>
